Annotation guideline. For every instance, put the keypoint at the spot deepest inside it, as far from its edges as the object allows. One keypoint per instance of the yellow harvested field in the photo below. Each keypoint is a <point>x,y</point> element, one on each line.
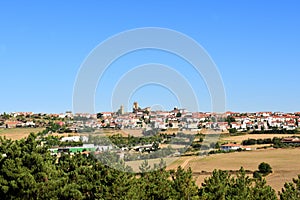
<point>240,138</point>
<point>285,164</point>
<point>18,133</point>
<point>169,161</point>
<point>59,135</point>
<point>123,132</point>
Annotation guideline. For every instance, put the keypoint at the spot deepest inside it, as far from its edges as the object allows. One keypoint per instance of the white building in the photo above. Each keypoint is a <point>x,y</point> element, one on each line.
<point>231,147</point>
<point>70,139</point>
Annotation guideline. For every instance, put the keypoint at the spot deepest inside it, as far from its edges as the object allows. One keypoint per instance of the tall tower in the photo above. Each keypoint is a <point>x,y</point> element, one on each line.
<point>135,106</point>
<point>121,109</point>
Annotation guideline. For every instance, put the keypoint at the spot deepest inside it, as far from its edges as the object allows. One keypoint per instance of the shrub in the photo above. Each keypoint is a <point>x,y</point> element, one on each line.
<point>257,175</point>
<point>264,168</point>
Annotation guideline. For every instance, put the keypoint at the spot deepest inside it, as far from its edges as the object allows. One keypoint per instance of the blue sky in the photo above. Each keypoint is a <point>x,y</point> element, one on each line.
<point>255,44</point>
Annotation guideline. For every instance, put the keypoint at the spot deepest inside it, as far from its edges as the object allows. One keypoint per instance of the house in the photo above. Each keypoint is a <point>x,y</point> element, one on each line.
<point>231,147</point>
<point>147,147</point>
<point>30,124</point>
<point>77,149</point>
<point>60,123</point>
<point>236,125</point>
<point>192,126</point>
<point>160,125</point>
<point>222,125</point>
<point>12,124</point>
<point>107,114</point>
<point>264,114</point>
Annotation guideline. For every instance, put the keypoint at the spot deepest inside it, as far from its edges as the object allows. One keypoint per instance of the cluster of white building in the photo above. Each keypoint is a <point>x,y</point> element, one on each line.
<point>180,119</point>
<point>177,119</point>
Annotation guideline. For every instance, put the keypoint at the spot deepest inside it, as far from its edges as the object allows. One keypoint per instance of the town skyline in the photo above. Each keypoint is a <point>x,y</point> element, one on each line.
<point>144,119</point>
<point>153,110</point>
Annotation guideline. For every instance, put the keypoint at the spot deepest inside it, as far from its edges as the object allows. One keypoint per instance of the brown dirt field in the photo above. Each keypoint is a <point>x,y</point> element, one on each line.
<point>284,162</point>
<point>124,132</point>
<point>18,133</point>
<point>240,138</point>
<point>135,133</point>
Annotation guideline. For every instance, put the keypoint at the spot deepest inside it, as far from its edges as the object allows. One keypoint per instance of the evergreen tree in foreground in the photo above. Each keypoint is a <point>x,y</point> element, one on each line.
<point>221,185</point>
<point>28,171</point>
<point>291,191</point>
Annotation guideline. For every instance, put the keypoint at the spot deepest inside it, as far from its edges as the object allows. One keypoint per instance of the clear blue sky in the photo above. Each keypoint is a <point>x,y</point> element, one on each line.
<point>255,44</point>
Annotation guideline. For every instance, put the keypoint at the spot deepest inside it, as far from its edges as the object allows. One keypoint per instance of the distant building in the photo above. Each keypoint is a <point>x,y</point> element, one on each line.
<point>121,110</point>
<point>70,139</point>
<point>12,124</point>
<point>147,147</point>
<point>231,147</point>
<point>135,106</point>
<point>80,149</point>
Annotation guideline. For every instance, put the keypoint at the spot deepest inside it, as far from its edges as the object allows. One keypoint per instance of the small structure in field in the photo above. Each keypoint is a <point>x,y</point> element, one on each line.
<point>231,147</point>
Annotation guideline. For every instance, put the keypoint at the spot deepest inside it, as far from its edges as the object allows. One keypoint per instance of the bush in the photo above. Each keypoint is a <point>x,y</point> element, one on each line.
<point>232,130</point>
<point>257,175</point>
<point>264,168</point>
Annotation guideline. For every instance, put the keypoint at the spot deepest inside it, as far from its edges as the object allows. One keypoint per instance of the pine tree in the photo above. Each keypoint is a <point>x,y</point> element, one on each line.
<point>291,191</point>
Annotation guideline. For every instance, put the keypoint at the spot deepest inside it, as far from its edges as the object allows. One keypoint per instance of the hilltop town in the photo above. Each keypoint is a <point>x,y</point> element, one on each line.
<point>174,120</point>
<point>157,133</point>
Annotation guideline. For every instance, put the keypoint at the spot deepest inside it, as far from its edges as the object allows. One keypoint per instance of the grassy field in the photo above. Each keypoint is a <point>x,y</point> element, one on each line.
<point>18,133</point>
<point>284,162</point>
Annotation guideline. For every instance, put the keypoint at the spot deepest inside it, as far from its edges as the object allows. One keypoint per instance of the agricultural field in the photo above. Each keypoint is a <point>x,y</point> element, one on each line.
<point>239,139</point>
<point>169,161</point>
<point>283,161</point>
<point>123,132</point>
<point>18,133</point>
<point>60,135</point>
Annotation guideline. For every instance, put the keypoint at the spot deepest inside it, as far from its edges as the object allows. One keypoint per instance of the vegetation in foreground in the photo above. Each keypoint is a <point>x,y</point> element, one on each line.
<point>28,171</point>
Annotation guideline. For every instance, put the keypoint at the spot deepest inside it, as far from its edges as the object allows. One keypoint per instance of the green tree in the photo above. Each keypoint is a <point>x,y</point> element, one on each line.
<point>291,191</point>
<point>145,167</point>
<point>261,190</point>
<point>184,184</point>
<point>232,130</point>
<point>99,115</point>
<point>155,185</point>
<point>264,168</point>
<point>230,119</point>
<point>222,186</point>
<point>216,186</point>
<point>155,146</point>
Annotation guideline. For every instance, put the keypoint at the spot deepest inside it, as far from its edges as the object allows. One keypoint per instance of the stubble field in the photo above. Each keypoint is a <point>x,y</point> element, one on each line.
<point>18,133</point>
<point>285,164</point>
